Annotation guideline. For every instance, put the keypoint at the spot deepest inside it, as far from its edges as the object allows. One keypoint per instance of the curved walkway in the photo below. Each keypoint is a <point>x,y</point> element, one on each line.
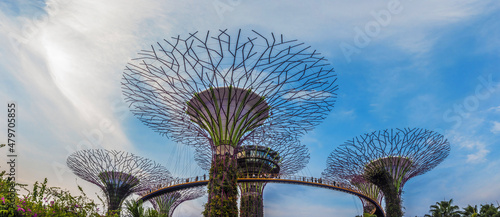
<point>179,184</point>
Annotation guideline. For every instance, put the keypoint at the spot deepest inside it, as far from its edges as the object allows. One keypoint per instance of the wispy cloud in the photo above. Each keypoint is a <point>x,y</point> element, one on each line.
<point>62,63</point>
<point>476,150</point>
<point>494,109</point>
<point>63,68</point>
<point>496,127</point>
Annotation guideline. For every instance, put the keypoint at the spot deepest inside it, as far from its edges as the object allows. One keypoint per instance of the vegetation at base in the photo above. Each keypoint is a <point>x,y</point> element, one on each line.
<point>447,209</point>
<point>222,188</point>
<point>135,209</point>
<point>44,201</point>
<point>383,179</point>
<point>252,205</point>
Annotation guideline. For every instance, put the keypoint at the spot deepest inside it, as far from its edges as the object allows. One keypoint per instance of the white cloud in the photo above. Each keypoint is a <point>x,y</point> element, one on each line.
<point>479,156</point>
<point>476,150</point>
<point>495,109</point>
<point>496,127</point>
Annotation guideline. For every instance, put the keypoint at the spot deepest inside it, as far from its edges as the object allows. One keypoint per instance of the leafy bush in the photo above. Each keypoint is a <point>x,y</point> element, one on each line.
<point>44,201</point>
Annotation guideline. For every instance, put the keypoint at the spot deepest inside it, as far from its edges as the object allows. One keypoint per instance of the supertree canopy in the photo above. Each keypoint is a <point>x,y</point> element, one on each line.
<point>218,88</point>
<point>117,173</point>
<point>273,157</point>
<point>388,159</point>
<point>166,204</point>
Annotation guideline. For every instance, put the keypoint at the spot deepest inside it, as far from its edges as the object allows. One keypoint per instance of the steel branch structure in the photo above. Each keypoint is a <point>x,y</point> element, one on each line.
<point>117,173</point>
<point>274,156</point>
<point>165,204</point>
<point>218,88</point>
<point>388,159</point>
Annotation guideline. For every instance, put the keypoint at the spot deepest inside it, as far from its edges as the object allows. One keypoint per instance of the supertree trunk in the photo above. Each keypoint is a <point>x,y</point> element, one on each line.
<point>252,203</point>
<point>274,156</point>
<point>222,186</point>
<point>383,179</point>
<point>116,198</point>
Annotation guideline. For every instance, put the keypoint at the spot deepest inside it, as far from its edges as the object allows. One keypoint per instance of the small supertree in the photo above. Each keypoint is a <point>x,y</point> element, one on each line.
<point>219,88</point>
<point>369,189</point>
<point>360,184</point>
<point>274,156</point>
<point>388,159</point>
<point>166,204</point>
<point>117,173</point>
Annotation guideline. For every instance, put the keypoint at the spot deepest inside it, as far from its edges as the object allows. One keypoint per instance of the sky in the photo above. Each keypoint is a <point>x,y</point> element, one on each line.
<point>426,64</point>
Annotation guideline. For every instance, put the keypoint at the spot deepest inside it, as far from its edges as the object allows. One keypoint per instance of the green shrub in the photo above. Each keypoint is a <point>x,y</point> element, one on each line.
<point>44,201</point>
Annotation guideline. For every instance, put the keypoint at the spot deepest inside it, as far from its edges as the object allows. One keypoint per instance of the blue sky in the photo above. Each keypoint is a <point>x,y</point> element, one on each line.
<point>427,64</point>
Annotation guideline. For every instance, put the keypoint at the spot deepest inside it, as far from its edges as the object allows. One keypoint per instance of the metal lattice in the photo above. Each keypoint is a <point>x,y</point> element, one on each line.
<point>216,90</point>
<point>167,203</point>
<point>117,173</point>
<point>296,83</point>
<point>403,153</point>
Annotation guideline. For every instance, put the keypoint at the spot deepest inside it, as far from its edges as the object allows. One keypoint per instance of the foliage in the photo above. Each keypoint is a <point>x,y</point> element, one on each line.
<point>470,211</point>
<point>444,209</point>
<point>44,201</point>
<point>135,209</point>
<point>489,210</point>
<point>251,205</point>
<point>383,179</point>
<point>222,188</point>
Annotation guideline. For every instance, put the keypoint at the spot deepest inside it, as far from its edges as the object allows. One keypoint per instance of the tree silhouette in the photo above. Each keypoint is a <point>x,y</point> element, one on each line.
<point>470,211</point>
<point>444,209</point>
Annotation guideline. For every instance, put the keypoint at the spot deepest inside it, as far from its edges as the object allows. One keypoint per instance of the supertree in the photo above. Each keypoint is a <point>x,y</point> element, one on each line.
<point>274,156</point>
<point>117,173</point>
<point>388,159</point>
<point>166,204</point>
<point>219,88</point>
<point>368,188</point>
<point>359,183</point>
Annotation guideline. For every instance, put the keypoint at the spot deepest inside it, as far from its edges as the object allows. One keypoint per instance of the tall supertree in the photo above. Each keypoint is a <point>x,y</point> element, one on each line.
<point>273,156</point>
<point>117,173</point>
<point>218,88</point>
<point>166,204</point>
<point>388,159</point>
